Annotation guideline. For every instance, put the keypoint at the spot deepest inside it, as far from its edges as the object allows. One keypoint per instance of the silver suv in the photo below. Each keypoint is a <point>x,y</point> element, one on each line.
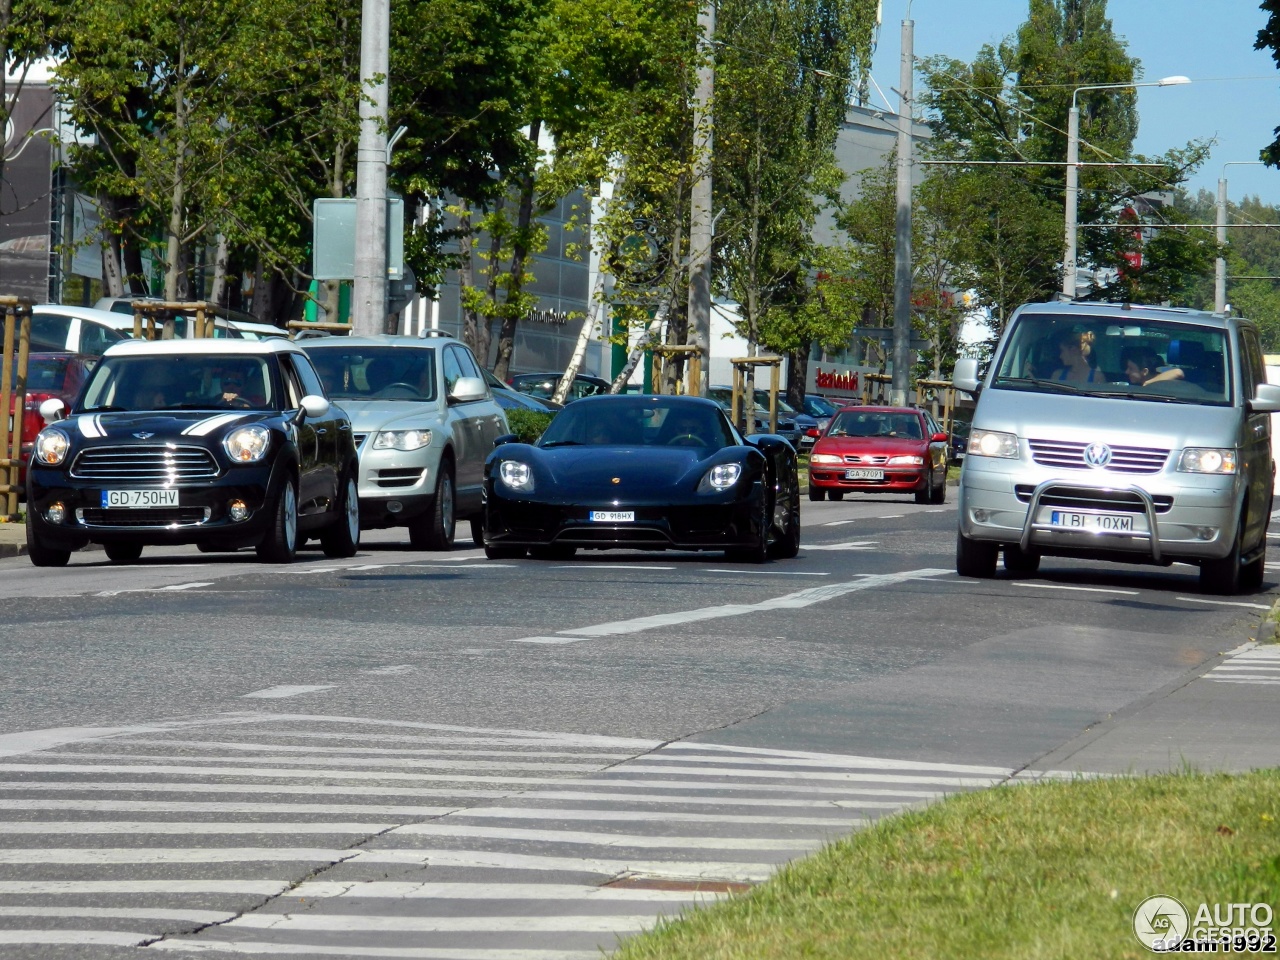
<point>1120,432</point>
<point>424,421</point>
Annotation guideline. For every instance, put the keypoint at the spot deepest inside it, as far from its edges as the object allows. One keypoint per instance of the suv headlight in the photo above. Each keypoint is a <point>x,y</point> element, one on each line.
<point>992,443</point>
<point>51,447</point>
<point>247,444</point>
<point>516,475</point>
<point>911,461</point>
<point>1207,460</point>
<point>405,440</point>
<point>720,477</point>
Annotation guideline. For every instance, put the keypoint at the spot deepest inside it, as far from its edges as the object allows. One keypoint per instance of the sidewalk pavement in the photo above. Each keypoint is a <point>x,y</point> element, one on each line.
<point>13,540</point>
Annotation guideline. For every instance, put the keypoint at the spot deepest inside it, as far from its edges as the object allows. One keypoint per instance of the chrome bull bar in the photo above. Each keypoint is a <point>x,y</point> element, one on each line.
<point>1030,526</point>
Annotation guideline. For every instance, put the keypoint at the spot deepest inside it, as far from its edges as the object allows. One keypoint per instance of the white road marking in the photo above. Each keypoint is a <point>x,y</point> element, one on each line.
<point>365,724</point>
<point>790,601</point>
<point>396,890</point>
<point>138,855</point>
<point>362,762</point>
<point>99,938</point>
<point>34,741</point>
<point>364,751</point>
<point>287,690</point>
<point>1060,586</point>
<point>120,913</point>
<point>264,888</point>
<point>337,924</point>
<point>1249,667</point>
<point>769,573</point>
<point>226,809</point>
<point>630,841</point>
<point>889,516</point>
<point>398,953</point>
<point>636,816</point>
<point>810,758</point>
<point>549,640</point>
<point>451,566</point>
<point>173,587</point>
<point>851,545</point>
<point>604,565</point>
<point>1238,680</point>
<point>746,772</point>
<point>390,670</point>
<point>166,827</point>
<point>838,523</point>
<point>1226,603</point>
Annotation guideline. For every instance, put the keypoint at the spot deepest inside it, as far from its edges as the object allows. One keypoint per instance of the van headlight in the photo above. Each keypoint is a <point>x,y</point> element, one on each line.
<point>1207,460</point>
<point>51,447</point>
<point>516,475</point>
<point>405,440</point>
<point>720,477</point>
<point>993,443</point>
<point>247,444</point>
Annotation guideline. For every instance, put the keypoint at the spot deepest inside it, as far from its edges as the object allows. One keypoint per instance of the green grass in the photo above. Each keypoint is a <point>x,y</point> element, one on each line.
<point>1046,871</point>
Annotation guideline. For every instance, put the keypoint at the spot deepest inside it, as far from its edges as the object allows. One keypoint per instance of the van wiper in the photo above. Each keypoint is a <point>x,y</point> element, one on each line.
<point>1158,397</point>
<point>1053,385</point>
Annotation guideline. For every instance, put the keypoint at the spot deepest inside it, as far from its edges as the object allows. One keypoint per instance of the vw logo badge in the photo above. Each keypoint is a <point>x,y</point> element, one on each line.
<point>1097,455</point>
<point>144,435</point>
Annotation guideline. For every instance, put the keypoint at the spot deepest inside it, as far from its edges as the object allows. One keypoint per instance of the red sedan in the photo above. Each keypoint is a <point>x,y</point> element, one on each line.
<point>49,376</point>
<point>880,450</point>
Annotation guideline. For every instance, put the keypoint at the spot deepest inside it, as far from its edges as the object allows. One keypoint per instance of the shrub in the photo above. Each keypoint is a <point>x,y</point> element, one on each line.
<point>528,425</point>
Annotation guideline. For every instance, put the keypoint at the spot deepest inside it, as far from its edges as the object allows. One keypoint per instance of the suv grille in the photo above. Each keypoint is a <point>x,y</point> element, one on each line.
<point>145,464</point>
<point>1068,454</point>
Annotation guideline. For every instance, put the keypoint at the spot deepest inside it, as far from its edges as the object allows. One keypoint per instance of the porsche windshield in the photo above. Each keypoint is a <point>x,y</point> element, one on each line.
<point>190,382</point>
<point>1138,359</point>
<point>376,373</point>
<point>638,422</point>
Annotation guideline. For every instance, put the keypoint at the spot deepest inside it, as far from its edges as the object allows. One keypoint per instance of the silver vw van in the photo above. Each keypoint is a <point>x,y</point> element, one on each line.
<point>1120,432</point>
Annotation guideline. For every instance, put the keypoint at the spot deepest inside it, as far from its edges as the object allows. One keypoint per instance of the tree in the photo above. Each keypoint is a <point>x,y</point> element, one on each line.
<point>1269,39</point>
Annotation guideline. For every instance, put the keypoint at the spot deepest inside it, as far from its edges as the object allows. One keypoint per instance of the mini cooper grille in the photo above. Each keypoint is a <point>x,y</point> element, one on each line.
<point>854,458</point>
<point>1089,498</point>
<point>159,517</point>
<point>145,464</point>
<point>1062,453</point>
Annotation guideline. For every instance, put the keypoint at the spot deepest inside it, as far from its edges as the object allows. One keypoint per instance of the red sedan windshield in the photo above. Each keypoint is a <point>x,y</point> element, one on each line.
<point>853,423</point>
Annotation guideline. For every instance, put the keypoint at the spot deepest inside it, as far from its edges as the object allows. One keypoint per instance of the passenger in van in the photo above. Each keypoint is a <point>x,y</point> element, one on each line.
<point>1142,367</point>
<point>1075,351</point>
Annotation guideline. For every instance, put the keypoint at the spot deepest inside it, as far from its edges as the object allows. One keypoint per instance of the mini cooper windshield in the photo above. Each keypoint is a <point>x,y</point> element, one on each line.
<point>180,382</point>
<point>638,422</point>
<point>376,373</point>
<point>1140,359</point>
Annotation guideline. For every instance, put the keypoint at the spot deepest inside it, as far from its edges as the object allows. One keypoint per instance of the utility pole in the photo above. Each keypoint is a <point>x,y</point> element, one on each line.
<point>902,229</point>
<point>1220,265</point>
<point>700,222</point>
<point>1072,199</point>
<point>369,294</point>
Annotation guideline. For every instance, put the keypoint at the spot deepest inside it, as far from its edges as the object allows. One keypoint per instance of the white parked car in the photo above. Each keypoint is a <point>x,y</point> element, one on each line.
<point>57,327</point>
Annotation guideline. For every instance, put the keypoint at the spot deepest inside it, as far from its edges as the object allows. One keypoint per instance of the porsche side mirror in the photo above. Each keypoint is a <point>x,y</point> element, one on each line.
<point>312,407</point>
<point>52,409</point>
<point>505,438</point>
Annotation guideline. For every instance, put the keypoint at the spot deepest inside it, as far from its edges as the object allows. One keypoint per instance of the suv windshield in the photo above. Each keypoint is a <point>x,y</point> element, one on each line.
<point>1139,359</point>
<point>167,382</point>
<point>375,373</point>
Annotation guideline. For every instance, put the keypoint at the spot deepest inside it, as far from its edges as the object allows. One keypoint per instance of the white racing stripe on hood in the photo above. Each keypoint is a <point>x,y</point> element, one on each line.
<point>90,427</point>
<point>205,427</point>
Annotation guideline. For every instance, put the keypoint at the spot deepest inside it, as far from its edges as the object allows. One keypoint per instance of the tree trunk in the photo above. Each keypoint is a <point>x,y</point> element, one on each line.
<point>112,278</point>
<point>261,306</point>
<point>595,308</point>
<point>519,256</point>
<point>222,251</point>
<point>798,374</point>
<point>652,335</point>
<point>177,196</point>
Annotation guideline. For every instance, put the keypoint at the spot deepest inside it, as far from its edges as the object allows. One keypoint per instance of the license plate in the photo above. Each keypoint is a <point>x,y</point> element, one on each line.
<point>138,499</point>
<point>1120,522</point>
<point>612,516</point>
<point>863,474</point>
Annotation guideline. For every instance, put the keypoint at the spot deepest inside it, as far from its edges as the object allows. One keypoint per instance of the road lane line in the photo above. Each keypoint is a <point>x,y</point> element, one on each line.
<point>1059,586</point>
<point>169,589</point>
<point>637,816</point>
<point>363,751</point>
<point>790,601</point>
<point>605,565</point>
<point>546,640</point>
<point>838,523</point>
<point>400,890</point>
<point>629,841</point>
<point>851,545</point>
<point>286,690</point>
<point>315,923</point>
<point>120,913</point>
<point>768,573</point>
<point>388,953</point>
<point>263,888</point>
<point>1226,603</point>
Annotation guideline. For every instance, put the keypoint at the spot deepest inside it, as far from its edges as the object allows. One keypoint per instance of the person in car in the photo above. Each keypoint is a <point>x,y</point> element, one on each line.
<point>236,384</point>
<point>685,430</point>
<point>1142,367</point>
<point>1077,363</point>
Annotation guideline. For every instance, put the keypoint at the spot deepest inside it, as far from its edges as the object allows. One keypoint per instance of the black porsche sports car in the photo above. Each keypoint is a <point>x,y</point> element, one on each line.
<point>219,443</point>
<point>642,472</point>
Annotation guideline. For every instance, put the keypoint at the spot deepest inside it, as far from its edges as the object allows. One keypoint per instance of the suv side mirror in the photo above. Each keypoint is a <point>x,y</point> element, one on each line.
<point>467,389</point>
<point>52,409</point>
<point>312,407</point>
<point>965,375</point>
<point>1266,399</point>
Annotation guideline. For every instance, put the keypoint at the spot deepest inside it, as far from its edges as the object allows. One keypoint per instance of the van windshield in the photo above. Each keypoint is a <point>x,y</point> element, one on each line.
<point>1148,360</point>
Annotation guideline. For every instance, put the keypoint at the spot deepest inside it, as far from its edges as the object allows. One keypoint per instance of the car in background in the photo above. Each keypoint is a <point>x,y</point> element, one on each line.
<point>510,399</point>
<point>646,473</point>
<point>786,427</point>
<point>959,439</point>
<point>58,328</point>
<point>50,376</point>
<point>218,443</point>
<point>822,410</point>
<point>425,420</point>
<point>880,450</point>
<point>543,385</point>
<point>184,328</point>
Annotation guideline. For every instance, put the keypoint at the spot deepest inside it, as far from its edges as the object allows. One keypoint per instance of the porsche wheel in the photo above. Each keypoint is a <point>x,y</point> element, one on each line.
<point>758,551</point>
<point>787,545</point>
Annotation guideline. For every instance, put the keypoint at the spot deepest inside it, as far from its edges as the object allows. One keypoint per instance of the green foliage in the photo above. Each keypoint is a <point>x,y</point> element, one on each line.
<point>1269,39</point>
<point>529,425</point>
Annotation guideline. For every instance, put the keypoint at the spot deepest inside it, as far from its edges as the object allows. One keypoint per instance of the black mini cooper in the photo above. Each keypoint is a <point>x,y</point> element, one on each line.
<point>219,443</point>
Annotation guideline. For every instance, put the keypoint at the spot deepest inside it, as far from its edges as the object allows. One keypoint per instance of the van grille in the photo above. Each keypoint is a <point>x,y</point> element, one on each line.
<point>145,464</point>
<point>1092,498</point>
<point>1068,454</point>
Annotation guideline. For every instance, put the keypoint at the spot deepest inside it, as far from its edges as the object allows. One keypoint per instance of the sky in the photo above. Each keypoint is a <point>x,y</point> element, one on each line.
<point>1210,41</point>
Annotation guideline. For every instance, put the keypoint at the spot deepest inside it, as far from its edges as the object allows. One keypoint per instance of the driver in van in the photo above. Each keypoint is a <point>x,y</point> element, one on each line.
<point>1075,351</point>
<point>1142,367</point>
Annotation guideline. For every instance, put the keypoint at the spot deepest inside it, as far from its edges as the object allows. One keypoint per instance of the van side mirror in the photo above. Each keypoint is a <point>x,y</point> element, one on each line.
<point>1266,399</point>
<point>965,375</point>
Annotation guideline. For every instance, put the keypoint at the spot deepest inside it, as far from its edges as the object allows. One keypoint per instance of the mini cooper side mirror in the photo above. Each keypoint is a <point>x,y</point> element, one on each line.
<point>52,409</point>
<point>313,407</point>
<point>506,438</point>
<point>467,390</point>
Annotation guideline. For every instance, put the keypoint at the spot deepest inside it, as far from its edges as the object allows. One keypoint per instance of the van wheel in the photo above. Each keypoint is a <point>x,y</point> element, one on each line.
<point>1225,576</point>
<point>1251,573</point>
<point>975,558</point>
<point>1018,562</point>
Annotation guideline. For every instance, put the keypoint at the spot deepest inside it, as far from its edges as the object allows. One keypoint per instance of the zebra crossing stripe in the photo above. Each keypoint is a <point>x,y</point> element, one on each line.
<point>120,913</point>
<point>793,757</point>
<point>263,888</point>
<point>334,924</point>
<point>659,816</point>
<point>273,772</point>
<point>168,827</point>
<point>584,838</point>
<point>390,953</point>
<point>394,890</point>
<point>379,751</point>
<point>180,806</point>
<point>357,762</point>
<point>97,938</point>
<point>741,772</point>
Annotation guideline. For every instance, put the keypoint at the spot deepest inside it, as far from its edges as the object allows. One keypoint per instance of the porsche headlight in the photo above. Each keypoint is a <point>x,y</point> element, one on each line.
<point>912,461</point>
<point>721,477</point>
<point>402,440</point>
<point>247,444</point>
<point>825,458</point>
<point>992,443</point>
<point>51,447</point>
<point>1207,460</point>
<point>516,475</point>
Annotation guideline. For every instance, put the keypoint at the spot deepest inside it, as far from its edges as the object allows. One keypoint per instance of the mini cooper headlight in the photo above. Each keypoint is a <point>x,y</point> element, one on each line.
<point>992,443</point>
<point>247,444</point>
<point>1207,460</point>
<point>51,446</point>
<point>405,440</point>
<point>516,475</point>
<point>721,477</point>
<point>825,458</point>
<point>912,461</point>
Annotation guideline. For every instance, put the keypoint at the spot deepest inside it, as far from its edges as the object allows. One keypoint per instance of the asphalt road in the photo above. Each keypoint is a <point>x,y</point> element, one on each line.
<point>424,755</point>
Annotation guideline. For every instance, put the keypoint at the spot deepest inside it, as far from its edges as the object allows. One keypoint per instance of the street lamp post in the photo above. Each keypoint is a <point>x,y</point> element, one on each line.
<point>1073,171</point>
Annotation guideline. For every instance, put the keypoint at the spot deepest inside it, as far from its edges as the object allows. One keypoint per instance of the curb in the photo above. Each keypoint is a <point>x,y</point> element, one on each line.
<point>8,550</point>
<point>1267,628</point>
